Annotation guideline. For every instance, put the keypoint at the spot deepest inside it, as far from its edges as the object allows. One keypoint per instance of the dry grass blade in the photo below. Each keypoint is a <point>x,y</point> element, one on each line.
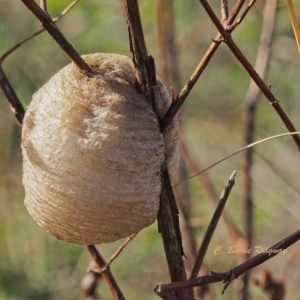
<point>238,151</point>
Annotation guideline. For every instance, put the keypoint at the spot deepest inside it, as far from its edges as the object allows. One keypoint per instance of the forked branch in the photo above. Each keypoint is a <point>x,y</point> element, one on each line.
<point>106,275</point>
<point>180,99</point>
<point>226,37</point>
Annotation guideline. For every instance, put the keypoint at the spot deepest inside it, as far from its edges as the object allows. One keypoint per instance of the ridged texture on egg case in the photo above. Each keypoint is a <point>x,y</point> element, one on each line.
<point>92,153</point>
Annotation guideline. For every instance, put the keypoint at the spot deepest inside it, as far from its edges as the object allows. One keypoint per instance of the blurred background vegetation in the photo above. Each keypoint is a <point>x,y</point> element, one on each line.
<point>35,265</point>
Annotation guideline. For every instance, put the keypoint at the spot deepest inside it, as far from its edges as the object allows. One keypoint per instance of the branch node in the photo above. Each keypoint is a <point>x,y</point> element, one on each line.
<point>232,276</point>
<point>274,102</point>
<point>217,41</point>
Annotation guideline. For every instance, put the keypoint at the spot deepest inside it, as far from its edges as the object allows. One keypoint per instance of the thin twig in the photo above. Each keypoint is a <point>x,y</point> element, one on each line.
<point>234,273</point>
<point>14,102</point>
<point>53,30</point>
<point>241,18</point>
<point>212,225</point>
<point>22,42</point>
<point>180,99</point>
<point>251,99</point>
<point>253,74</point>
<point>236,152</point>
<point>224,11</point>
<point>114,256</point>
<point>43,5</point>
<point>235,11</point>
<point>106,275</point>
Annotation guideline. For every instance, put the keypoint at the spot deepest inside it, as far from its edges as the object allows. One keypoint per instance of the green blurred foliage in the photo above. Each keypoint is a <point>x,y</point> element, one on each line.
<point>35,265</point>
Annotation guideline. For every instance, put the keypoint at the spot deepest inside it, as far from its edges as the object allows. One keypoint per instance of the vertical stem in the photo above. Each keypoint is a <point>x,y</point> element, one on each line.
<point>166,37</point>
<point>168,221</point>
<point>249,124</point>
